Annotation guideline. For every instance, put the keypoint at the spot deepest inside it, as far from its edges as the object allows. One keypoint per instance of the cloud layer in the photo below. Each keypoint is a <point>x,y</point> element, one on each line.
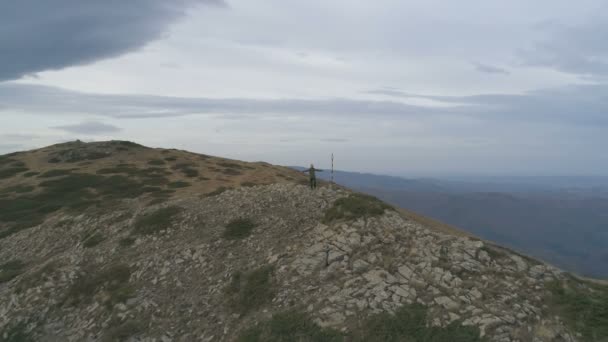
<point>48,35</point>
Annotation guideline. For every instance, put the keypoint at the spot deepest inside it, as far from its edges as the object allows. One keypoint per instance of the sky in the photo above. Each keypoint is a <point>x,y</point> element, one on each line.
<point>402,87</point>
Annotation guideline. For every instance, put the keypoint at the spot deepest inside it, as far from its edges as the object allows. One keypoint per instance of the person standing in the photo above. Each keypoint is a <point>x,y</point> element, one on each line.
<point>312,175</point>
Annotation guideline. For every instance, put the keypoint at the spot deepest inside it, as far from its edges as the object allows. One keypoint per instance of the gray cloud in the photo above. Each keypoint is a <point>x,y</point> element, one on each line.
<point>577,104</point>
<point>47,35</point>
<point>573,48</point>
<point>489,69</point>
<point>89,127</point>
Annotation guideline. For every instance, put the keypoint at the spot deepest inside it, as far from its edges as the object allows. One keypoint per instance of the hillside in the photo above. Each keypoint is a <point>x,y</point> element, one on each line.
<point>114,241</point>
<point>561,220</point>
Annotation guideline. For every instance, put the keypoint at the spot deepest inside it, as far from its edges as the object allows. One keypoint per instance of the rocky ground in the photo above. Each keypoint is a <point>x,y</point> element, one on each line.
<point>339,272</point>
<point>175,271</point>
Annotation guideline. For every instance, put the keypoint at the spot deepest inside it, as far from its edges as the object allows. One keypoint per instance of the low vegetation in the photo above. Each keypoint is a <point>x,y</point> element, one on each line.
<point>119,332</point>
<point>355,206</point>
<point>217,191</point>
<point>156,162</point>
<point>584,307</point>
<point>11,269</point>
<point>156,221</point>
<point>409,323</point>
<point>290,326</point>
<point>55,173</point>
<point>92,240</point>
<point>178,185</point>
<point>16,333</point>
<point>238,229</point>
<point>47,272</point>
<point>74,191</point>
<point>249,291</point>
<point>11,171</point>
<point>18,189</point>
<point>126,242</point>
<point>113,280</point>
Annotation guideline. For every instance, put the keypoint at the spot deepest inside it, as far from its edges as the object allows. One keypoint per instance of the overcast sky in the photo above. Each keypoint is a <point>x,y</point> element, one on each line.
<point>403,87</point>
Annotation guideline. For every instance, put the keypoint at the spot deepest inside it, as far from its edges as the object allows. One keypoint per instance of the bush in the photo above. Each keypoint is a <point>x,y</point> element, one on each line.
<point>217,191</point>
<point>55,173</point>
<point>31,174</point>
<point>252,290</point>
<point>11,171</point>
<point>290,326</point>
<point>238,229</point>
<point>409,323</point>
<point>156,221</point>
<point>122,332</point>
<point>92,240</point>
<point>178,184</point>
<point>10,270</point>
<point>355,206</point>
<point>156,162</point>
<point>113,280</point>
<point>584,306</point>
<point>16,333</point>
<point>126,242</point>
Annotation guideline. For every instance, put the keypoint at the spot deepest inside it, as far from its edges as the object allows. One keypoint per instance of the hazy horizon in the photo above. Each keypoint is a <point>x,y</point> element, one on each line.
<point>394,87</point>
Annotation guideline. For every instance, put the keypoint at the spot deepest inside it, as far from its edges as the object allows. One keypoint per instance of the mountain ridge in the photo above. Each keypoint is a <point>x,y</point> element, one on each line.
<point>251,254</point>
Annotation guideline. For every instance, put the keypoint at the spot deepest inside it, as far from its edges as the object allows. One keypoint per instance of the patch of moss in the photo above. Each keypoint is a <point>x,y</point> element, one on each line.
<point>178,184</point>
<point>584,306</point>
<point>122,331</point>
<point>11,269</point>
<point>217,191</point>
<point>156,221</point>
<point>31,174</point>
<point>355,206</point>
<point>156,162</point>
<point>247,292</point>
<point>16,333</point>
<point>19,189</point>
<point>11,171</point>
<point>126,242</point>
<point>56,173</point>
<point>113,280</point>
<point>92,240</point>
<point>238,229</point>
<point>290,326</point>
<point>409,323</point>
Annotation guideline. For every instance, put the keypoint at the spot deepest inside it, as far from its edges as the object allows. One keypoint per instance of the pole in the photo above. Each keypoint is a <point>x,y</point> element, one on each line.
<point>332,168</point>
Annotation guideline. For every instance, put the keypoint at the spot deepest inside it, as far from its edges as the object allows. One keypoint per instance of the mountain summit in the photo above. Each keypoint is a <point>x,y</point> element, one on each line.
<point>114,241</point>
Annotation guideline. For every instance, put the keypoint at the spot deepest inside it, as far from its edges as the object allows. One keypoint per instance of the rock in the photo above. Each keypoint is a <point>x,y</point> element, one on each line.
<point>447,303</point>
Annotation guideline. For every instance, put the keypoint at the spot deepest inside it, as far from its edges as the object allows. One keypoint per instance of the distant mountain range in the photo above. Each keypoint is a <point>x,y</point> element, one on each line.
<point>562,220</point>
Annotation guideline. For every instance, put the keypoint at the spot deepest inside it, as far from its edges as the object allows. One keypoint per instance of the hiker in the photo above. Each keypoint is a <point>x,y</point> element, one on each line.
<point>313,177</point>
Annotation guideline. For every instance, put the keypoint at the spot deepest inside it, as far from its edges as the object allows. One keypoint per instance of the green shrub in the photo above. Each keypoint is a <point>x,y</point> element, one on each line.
<point>178,184</point>
<point>122,331</point>
<point>584,306</point>
<point>231,172</point>
<point>113,280</point>
<point>19,189</point>
<point>126,242</point>
<point>10,270</point>
<point>55,173</point>
<point>188,172</point>
<point>156,221</point>
<point>238,229</point>
<point>156,162</point>
<point>290,326</point>
<point>16,333</point>
<point>92,240</point>
<point>171,159</point>
<point>409,323</point>
<point>11,171</point>
<point>217,191</point>
<point>31,174</point>
<point>355,206</point>
<point>250,291</point>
